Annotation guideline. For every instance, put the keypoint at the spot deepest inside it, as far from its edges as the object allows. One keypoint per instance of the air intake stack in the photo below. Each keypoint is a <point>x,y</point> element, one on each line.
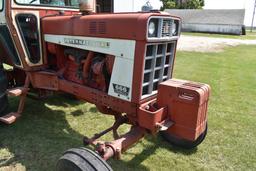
<point>87,6</point>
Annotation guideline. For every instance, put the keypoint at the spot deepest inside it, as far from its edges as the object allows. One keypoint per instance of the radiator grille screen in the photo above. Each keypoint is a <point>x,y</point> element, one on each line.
<point>166,28</point>
<point>157,68</point>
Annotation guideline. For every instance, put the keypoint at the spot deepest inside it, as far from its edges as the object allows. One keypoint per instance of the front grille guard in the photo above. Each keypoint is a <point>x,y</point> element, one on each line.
<point>159,58</point>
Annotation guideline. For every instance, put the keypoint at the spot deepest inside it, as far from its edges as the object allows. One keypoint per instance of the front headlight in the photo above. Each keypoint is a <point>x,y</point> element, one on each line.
<point>174,29</point>
<point>153,28</point>
<point>163,28</point>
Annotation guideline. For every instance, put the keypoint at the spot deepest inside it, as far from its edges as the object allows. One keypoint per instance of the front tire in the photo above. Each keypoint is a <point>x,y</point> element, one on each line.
<point>3,88</point>
<point>82,159</point>
<point>182,143</point>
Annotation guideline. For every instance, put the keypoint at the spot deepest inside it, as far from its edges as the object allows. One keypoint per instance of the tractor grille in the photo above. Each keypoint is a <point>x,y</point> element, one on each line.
<point>157,68</point>
<point>166,28</point>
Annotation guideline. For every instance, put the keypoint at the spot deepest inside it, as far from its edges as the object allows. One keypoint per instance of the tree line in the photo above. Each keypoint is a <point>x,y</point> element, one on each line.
<point>182,4</point>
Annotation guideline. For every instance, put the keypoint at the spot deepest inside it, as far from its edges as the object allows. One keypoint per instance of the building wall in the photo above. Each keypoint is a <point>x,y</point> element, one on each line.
<point>211,28</point>
<point>123,6</point>
<point>234,4</point>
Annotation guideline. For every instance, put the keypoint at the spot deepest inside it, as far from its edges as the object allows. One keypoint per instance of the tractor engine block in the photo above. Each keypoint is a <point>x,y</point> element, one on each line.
<point>88,68</point>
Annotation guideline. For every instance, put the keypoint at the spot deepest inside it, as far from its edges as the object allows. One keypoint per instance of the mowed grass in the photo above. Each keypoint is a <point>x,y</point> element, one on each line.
<point>49,127</point>
<point>249,35</point>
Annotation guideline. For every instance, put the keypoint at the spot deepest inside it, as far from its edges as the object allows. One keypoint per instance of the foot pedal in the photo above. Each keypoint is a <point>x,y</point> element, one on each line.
<point>10,118</point>
<point>17,91</point>
<point>165,125</point>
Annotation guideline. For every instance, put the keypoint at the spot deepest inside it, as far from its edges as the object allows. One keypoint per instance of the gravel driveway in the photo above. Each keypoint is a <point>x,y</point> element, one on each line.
<point>208,44</point>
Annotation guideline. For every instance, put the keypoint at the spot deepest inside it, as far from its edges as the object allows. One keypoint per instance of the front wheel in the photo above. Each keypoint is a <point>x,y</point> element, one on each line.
<point>186,144</point>
<point>82,159</point>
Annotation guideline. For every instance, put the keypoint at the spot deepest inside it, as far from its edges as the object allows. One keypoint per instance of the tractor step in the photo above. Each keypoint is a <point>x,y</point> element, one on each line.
<point>165,125</point>
<point>18,91</point>
<point>10,118</point>
<point>22,93</point>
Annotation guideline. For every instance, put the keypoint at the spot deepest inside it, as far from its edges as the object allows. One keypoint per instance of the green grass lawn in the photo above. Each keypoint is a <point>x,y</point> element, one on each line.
<point>249,35</point>
<point>50,127</point>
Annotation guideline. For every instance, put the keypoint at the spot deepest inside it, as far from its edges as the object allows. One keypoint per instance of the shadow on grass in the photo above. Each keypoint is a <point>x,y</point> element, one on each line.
<point>93,109</point>
<point>135,164</point>
<point>42,134</point>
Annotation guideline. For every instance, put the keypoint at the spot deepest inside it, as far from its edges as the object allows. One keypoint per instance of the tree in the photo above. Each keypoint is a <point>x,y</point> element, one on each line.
<point>182,4</point>
<point>201,3</point>
<point>191,4</point>
<point>168,4</point>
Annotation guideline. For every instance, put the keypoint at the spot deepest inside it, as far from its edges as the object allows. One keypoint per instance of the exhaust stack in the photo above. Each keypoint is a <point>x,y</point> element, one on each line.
<point>87,6</point>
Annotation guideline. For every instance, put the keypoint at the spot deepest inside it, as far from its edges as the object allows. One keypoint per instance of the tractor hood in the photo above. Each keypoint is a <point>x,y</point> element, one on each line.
<point>131,26</point>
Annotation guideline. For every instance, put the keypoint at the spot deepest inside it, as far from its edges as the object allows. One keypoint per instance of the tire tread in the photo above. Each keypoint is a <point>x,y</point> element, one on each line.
<point>85,159</point>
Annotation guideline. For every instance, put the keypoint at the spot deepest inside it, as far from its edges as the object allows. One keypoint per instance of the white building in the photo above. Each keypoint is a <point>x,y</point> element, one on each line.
<point>227,21</point>
<point>128,5</point>
<point>248,5</point>
<point>134,5</point>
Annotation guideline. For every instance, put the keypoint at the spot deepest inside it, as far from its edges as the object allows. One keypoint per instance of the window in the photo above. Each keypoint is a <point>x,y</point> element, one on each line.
<point>104,6</point>
<point>55,3</point>
<point>1,5</point>
<point>28,28</point>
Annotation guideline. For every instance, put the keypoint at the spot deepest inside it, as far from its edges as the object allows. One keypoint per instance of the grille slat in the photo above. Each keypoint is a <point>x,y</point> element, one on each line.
<point>158,63</point>
<point>147,71</point>
<point>150,57</point>
<point>158,68</point>
<point>152,73</point>
<point>145,84</point>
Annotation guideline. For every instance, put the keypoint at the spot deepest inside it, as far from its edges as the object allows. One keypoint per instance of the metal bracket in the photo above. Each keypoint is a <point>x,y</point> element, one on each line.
<point>165,125</point>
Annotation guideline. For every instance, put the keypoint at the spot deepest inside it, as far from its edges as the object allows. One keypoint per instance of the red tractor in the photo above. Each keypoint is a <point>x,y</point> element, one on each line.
<point>122,63</point>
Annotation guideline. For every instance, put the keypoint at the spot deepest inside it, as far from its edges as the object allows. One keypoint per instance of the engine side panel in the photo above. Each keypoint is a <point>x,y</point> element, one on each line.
<point>123,50</point>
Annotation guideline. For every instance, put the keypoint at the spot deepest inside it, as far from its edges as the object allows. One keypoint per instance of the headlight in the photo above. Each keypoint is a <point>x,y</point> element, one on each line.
<point>151,28</point>
<point>163,28</point>
<point>174,29</point>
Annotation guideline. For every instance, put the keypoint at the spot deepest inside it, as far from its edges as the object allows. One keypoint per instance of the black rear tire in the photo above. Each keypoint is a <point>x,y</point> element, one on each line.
<point>3,88</point>
<point>82,159</point>
<point>182,143</point>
